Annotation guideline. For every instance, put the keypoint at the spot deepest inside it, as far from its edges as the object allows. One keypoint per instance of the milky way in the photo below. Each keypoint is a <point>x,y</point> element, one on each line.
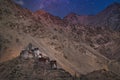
<point>52,3</point>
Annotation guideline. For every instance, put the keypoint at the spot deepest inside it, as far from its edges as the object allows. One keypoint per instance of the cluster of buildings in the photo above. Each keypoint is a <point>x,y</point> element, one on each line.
<point>31,52</point>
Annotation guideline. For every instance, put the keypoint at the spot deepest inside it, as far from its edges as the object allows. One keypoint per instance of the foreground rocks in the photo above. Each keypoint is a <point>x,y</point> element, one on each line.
<point>28,69</point>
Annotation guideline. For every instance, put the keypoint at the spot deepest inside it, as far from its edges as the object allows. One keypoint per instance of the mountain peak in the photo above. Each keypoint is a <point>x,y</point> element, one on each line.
<point>114,5</point>
<point>72,14</point>
<point>41,12</point>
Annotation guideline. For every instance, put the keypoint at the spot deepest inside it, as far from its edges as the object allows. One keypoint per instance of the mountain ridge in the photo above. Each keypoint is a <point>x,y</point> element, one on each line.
<point>105,18</point>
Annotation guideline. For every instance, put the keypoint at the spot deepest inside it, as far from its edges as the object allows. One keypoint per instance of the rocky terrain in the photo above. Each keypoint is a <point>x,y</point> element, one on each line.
<point>100,75</point>
<point>110,18</point>
<point>78,48</point>
<point>28,69</point>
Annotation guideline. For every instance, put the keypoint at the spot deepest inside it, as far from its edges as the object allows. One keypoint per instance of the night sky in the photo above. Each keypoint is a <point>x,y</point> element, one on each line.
<point>63,7</point>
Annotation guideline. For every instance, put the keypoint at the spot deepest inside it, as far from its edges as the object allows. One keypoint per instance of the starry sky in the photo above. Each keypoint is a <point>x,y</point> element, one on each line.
<point>63,7</point>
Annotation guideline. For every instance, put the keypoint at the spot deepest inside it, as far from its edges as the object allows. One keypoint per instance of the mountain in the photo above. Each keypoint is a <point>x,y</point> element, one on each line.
<point>110,17</point>
<point>77,19</point>
<point>77,48</point>
<point>48,18</point>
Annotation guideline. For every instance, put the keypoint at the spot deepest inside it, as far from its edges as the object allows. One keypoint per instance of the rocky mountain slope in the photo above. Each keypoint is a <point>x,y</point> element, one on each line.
<point>28,69</point>
<point>100,75</point>
<point>110,17</point>
<point>78,49</point>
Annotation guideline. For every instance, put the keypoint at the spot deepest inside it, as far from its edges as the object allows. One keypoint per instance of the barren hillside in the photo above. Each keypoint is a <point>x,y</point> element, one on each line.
<point>109,17</point>
<point>78,49</point>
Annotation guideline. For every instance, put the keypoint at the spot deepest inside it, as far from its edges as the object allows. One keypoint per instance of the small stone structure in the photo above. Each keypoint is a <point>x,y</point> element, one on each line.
<point>37,53</point>
<point>53,64</point>
<point>25,54</point>
<point>30,52</point>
